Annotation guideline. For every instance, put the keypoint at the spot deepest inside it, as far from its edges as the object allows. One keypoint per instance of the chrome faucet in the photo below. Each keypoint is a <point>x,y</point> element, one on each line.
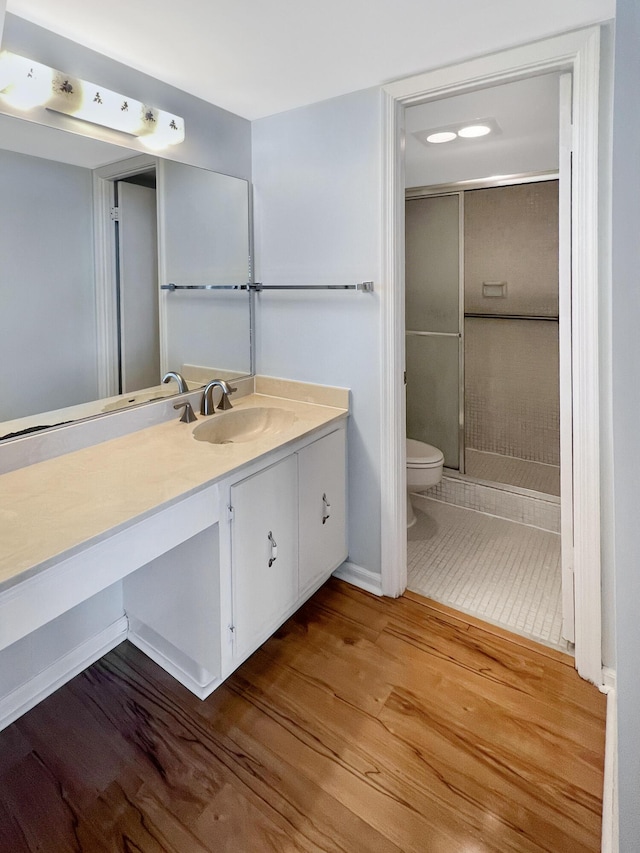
<point>206,407</point>
<point>182,385</point>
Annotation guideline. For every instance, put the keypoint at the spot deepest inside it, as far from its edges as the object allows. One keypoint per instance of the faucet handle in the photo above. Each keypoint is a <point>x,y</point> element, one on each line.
<point>225,403</point>
<point>188,416</point>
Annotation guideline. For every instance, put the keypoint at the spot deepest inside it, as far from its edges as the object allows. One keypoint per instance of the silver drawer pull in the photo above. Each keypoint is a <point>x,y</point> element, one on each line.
<point>325,509</point>
<point>274,549</point>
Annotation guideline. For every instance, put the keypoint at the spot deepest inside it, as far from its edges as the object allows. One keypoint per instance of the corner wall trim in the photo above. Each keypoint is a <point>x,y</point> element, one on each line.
<point>27,695</point>
<point>358,576</point>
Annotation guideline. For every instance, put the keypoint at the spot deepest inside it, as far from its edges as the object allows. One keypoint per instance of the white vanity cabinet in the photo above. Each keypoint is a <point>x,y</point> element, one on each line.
<point>288,533</point>
<point>264,553</point>
<point>322,509</point>
<point>156,554</point>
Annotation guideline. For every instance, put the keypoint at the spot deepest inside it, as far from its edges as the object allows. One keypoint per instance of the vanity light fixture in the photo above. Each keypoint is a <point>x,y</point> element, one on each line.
<point>25,84</point>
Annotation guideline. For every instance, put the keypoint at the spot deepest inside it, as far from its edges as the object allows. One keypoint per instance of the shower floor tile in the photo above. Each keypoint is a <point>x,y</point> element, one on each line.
<point>495,468</point>
<point>501,571</point>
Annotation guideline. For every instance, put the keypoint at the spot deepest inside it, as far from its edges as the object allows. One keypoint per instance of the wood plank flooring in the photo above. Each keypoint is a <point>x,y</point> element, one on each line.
<point>364,724</point>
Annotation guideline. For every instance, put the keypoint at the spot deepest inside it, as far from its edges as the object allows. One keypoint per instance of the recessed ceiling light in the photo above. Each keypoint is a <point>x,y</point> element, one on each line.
<point>471,131</point>
<point>442,136</point>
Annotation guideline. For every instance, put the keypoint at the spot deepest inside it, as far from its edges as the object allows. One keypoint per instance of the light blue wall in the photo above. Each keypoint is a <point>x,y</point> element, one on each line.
<point>47,322</point>
<point>317,187</point>
<point>626,409</point>
<point>215,138</point>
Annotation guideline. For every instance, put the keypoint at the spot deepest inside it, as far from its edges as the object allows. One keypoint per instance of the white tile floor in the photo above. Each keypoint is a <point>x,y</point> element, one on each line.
<point>516,504</point>
<point>498,570</point>
<point>495,468</point>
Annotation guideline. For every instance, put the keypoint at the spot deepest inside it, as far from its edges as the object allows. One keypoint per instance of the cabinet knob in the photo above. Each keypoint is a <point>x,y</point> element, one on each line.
<point>325,509</point>
<point>274,549</point>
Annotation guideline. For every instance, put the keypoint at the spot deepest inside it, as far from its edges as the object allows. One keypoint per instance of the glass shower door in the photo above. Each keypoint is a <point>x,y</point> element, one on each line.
<point>434,323</point>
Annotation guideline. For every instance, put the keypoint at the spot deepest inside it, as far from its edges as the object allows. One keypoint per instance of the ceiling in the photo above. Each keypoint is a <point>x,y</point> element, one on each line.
<point>256,58</point>
<point>527,114</point>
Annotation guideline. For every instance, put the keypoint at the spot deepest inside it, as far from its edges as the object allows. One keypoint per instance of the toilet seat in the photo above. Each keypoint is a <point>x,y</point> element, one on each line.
<point>422,455</point>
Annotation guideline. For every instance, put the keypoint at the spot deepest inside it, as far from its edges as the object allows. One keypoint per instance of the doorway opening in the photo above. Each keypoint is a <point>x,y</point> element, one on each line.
<point>578,54</point>
<point>482,356</point>
<point>129,321</point>
<point>136,281</point>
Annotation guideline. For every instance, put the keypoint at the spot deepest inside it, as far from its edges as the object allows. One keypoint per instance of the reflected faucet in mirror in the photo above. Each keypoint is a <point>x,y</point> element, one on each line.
<point>182,385</point>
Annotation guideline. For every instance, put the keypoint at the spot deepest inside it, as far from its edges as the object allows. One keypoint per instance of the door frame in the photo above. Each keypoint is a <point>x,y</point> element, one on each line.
<point>579,53</point>
<point>104,247</point>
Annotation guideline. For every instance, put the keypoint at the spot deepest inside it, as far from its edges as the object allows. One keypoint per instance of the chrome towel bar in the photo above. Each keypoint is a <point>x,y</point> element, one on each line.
<point>258,287</point>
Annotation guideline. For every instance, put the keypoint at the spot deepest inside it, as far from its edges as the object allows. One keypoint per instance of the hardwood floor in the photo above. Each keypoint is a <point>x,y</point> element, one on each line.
<point>364,724</point>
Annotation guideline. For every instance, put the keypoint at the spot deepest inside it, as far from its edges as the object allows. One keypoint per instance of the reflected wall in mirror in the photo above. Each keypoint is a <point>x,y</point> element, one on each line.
<point>82,316</point>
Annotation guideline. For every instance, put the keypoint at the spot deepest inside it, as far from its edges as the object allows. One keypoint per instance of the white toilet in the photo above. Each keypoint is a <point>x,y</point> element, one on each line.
<point>424,469</point>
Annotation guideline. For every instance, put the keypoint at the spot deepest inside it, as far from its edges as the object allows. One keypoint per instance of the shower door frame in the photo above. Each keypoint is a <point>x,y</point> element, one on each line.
<point>446,191</point>
<point>578,53</point>
<point>459,188</point>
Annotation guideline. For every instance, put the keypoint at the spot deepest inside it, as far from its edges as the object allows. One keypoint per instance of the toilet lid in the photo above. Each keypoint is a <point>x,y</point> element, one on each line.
<point>423,455</point>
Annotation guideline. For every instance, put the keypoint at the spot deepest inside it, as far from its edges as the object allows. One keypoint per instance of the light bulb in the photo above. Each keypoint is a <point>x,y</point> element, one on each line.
<point>441,136</point>
<point>474,130</point>
<point>23,83</point>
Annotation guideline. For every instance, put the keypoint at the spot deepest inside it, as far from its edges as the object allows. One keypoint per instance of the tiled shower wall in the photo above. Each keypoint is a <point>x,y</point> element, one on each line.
<point>512,405</point>
<point>512,402</point>
<point>511,236</point>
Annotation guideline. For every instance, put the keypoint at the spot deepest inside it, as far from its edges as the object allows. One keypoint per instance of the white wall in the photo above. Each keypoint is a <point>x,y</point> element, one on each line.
<point>626,410</point>
<point>317,221</point>
<point>47,324</point>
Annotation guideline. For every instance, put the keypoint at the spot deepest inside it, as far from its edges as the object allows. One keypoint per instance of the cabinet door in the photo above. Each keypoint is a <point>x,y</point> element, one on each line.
<point>264,554</point>
<point>322,499</point>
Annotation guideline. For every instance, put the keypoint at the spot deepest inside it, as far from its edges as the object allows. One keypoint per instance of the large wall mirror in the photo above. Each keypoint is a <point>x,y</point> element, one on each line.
<point>85,327</point>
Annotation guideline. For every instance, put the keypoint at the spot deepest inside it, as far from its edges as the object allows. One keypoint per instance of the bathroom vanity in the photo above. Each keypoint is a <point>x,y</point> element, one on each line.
<point>205,546</point>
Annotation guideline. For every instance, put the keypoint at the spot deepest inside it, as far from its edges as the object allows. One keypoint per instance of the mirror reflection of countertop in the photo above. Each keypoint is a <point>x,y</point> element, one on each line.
<point>55,508</point>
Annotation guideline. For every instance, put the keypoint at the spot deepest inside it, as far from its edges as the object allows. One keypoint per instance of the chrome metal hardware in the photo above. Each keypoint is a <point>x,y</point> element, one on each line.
<point>361,287</point>
<point>171,286</point>
<point>188,416</point>
<point>274,549</point>
<point>182,385</point>
<point>480,316</point>
<point>258,287</point>
<point>325,509</point>
<point>206,406</point>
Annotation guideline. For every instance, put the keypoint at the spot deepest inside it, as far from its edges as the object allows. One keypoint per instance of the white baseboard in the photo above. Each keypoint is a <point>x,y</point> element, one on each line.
<point>610,842</point>
<point>360,577</point>
<point>25,697</point>
<point>174,661</point>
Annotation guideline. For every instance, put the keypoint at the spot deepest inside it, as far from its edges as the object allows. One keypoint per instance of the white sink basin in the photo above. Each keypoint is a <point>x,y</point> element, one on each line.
<point>242,425</point>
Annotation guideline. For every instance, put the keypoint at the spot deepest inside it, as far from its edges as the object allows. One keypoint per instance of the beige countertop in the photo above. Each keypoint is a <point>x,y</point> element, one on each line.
<point>54,508</point>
